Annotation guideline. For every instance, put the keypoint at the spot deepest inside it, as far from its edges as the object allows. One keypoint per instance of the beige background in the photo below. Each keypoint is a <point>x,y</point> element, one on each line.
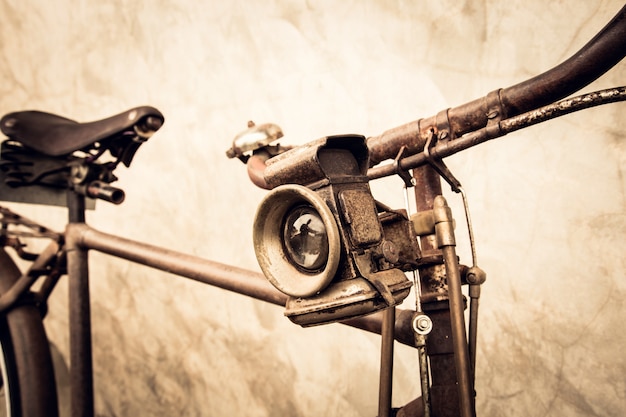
<point>548,203</point>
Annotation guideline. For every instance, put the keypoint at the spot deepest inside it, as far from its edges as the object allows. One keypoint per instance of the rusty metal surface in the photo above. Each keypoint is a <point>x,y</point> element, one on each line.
<point>347,298</point>
<point>449,147</point>
<point>600,54</point>
<point>385,387</point>
<point>445,395</point>
<point>399,232</point>
<point>367,277</point>
<point>303,164</point>
<point>228,277</point>
<point>446,242</point>
<point>595,58</point>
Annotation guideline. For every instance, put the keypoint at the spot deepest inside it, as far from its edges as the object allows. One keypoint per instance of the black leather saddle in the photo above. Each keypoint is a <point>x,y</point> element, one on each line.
<point>55,136</point>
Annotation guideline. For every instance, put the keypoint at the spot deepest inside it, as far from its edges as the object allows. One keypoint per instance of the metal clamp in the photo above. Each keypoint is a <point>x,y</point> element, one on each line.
<point>408,179</point>
<point>437,163</point>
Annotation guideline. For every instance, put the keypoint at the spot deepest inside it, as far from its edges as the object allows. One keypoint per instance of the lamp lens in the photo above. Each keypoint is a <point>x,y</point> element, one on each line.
<point>305,238</point>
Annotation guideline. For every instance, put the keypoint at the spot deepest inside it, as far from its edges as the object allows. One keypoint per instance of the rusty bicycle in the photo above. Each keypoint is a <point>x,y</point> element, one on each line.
<point>328,250</point>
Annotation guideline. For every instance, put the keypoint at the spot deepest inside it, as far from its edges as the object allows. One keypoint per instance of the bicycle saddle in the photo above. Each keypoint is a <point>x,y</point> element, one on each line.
<point>55,136</point>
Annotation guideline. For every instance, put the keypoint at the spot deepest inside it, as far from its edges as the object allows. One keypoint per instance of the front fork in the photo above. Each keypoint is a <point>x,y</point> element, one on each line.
<point>451,391</point>
<point>446,244</point>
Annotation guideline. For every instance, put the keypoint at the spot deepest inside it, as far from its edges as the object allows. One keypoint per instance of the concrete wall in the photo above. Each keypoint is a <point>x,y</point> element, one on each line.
<point>548,203</point>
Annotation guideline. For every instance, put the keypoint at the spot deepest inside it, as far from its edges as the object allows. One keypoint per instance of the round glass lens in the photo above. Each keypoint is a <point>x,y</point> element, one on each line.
<point>305,238</point>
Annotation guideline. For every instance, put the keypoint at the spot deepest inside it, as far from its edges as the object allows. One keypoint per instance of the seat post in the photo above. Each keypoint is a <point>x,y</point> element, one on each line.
<point>81,366</point>
<point>75,206</point>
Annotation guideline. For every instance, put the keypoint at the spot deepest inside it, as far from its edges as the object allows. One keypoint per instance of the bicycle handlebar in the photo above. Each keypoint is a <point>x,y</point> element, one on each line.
<point>599,55</point>
<point>499,112</point>
<point>446,148</point>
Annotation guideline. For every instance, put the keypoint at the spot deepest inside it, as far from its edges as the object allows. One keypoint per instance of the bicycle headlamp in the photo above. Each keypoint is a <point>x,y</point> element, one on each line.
<point>296,241</point>
<point>305,238</point>
<point>320,237</point>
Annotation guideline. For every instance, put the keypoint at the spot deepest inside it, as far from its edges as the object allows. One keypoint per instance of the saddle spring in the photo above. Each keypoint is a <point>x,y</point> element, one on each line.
<point>21,167</point>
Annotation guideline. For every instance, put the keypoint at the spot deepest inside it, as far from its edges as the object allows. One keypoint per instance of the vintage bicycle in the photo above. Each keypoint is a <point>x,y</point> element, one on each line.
<point>328,250</point>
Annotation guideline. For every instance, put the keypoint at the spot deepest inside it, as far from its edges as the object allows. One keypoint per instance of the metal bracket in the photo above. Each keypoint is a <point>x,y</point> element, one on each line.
<point>438,165</point>
<point>495,109</point>
<point>408,179</point>
<point>363,265</point>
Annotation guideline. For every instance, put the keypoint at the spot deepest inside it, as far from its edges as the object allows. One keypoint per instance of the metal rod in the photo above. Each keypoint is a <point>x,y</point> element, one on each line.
<point>420,341</point>
<point>228,277</point>
<point>446,242</point>
<point>461,353</point>
<point>450,147</point>
<point>595,58</point>
<point>81,364</point>
<point>8,298</point>
<point>441,398</point>
<point>386,363</point>
<point>474,290</point>
<point>474,293</point>
<point>420,337</point>
<point>75,207</point>
<point>209,272</point>
<point>470,229</point>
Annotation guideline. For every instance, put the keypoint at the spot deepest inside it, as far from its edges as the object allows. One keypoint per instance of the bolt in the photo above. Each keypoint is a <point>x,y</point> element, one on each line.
<point>390,252</point>
<point>492,115</point>
<point>422,324</point>
<point>476,276</point>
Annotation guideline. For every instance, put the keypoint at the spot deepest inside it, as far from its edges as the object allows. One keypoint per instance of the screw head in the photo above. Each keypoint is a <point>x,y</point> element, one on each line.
<point>390,252</point>
<point>422,324</point>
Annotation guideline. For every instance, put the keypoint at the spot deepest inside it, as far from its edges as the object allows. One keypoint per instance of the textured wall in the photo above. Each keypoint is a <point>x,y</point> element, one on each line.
<point>548,203</point>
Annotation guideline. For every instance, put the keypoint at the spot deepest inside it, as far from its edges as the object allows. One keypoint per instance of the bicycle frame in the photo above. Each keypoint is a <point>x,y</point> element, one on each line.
<point>81,238</point>
<point>392,324</point>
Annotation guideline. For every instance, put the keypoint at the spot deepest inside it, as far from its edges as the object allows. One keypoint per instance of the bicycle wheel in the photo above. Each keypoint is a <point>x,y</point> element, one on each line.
<point>28,386</point>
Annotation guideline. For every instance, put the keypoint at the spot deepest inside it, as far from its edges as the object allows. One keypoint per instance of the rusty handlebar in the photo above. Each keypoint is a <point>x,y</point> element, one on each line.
<point>498,113</point>
<point>594,59</point>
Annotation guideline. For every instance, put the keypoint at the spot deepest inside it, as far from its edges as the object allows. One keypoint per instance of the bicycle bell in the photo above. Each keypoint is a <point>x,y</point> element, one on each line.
<point>252,139</point>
